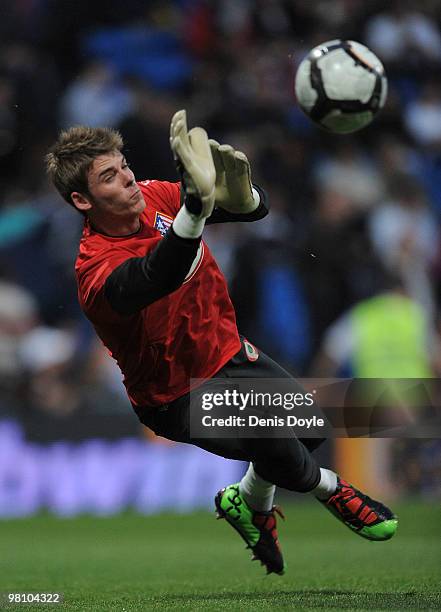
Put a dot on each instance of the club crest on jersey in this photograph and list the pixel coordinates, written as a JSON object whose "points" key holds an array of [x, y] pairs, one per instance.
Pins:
{"points": [[162, 223]]}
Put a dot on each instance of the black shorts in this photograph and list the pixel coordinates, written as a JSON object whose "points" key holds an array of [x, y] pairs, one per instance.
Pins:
{"points": [[286, 462]]}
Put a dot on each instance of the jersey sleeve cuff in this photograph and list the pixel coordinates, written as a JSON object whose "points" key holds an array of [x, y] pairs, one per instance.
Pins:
{"points": [[186, 225], [256, 198]]}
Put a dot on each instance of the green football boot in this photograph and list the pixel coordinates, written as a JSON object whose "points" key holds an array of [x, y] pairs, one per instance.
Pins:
{"points": [[368, 518], [258, 529]]}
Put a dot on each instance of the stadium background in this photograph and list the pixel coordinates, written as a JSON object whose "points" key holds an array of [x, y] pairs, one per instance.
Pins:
{"points": [[351, 251], [352, 218]]}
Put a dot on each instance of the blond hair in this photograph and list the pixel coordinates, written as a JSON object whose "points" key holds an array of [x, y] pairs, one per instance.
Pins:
{"points": [[70, 158]]}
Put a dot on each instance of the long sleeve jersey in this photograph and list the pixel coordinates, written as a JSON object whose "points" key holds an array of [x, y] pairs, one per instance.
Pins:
{"points": [[159, 302]]}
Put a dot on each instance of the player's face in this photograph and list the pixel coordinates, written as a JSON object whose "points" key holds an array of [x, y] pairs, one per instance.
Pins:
{"points": [[112, 187]]}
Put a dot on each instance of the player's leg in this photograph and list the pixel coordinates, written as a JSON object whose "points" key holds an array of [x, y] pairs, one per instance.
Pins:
{"points": [[290, 465], [286, 463], [248, 507], [250, 510]]}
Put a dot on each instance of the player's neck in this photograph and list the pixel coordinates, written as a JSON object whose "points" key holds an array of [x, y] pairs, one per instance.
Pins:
{"points": [[115, 227]]}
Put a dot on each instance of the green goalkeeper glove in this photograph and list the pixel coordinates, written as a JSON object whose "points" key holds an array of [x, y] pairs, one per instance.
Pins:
{"points": [[192, 154], [234, 191]]}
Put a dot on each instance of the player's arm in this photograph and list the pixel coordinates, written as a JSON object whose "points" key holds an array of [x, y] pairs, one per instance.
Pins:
{"points": [[140, 281]]}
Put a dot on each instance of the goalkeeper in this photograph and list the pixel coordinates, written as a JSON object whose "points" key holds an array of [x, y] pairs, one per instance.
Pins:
{"points": [[160, 304]]}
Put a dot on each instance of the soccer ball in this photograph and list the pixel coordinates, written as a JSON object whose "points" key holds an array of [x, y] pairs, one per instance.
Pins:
{"points": [[341, 85]]}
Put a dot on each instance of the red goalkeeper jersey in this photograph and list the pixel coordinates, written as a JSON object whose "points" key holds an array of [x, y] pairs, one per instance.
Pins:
{"points": [[189, 333]]}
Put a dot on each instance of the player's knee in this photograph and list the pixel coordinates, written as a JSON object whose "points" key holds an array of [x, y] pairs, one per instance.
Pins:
{"points": [[296, 472]]}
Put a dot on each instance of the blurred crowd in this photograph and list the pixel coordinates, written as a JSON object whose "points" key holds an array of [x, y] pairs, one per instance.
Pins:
{"points": [[343, 277]]}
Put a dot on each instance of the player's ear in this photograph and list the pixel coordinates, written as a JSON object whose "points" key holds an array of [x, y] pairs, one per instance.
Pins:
{"points": [[80, 201]]}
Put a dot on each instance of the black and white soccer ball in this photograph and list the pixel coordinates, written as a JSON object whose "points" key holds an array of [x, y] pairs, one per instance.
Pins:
{"points": [[341, 85]]}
